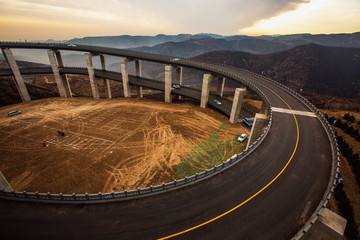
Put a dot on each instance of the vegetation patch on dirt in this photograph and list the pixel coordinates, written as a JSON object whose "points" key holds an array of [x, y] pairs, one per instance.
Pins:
{"points": [[210, 153]]}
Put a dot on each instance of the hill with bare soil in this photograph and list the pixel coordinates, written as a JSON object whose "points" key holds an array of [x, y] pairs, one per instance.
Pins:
{"points": [[313, 68]]}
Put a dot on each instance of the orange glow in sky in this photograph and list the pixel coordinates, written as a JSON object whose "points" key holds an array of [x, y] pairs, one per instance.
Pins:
{"points": [[66, 19]]}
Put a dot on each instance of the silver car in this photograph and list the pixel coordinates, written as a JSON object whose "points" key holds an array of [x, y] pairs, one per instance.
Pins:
{"points": [[217, 102], [242, 137]]}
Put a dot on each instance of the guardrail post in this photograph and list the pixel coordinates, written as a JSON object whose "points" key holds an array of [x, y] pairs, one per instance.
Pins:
{"points": [[99, 195], [19, 81]]}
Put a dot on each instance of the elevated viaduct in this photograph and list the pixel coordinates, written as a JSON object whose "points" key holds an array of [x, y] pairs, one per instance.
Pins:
{"points": [[276, 189]]}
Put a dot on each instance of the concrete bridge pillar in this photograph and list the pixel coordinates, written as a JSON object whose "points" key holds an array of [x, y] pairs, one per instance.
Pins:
{"points": [[329, 226], [139, 89], [106, 81], [264, 109], [220, 86], [4, 184], [93, 84], [236, 107], [125, 77], [64, 77], [168, 83], [178, 79], [205, 89], [61, 82], [259, 123], [19, 81]]}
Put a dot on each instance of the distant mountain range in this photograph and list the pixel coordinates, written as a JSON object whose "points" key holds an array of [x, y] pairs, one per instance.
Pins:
{"points": [[256, 45], [328, 65], [127, 41], [187, 45]]}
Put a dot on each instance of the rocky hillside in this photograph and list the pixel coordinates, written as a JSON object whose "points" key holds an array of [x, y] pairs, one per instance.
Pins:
{"points": [[315, 69]]}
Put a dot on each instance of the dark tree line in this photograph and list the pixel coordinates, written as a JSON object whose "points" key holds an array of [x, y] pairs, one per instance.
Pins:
{"points": [[347, 212], [349, 130], [344, 205]]}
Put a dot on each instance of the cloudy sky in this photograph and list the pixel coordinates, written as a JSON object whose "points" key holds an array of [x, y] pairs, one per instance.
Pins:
{"points": [[66, 19]]}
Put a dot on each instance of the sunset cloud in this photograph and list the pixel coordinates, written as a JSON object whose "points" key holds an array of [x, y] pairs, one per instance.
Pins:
{"points": [[65, 19]]}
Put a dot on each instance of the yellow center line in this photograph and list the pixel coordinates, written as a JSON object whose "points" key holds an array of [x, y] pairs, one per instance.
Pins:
{"points": [[257, 193]]}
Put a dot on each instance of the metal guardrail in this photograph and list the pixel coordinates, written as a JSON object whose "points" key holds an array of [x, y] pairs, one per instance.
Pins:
{"points": [[152, 190], [136, 193], [333, 143], [335, 156], [86, 198]]}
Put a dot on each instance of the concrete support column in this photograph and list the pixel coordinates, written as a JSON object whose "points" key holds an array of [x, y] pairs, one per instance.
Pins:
{"points": [[329, 226], [259, 123], [139, 89], [264, 109], [19, 81], [168, 83], [220, 86], [178, 79], [93, 84], [55, 68], [205, 90], [106, 81], [236, 107], [125, 77], [63, 77], [4, 184]]}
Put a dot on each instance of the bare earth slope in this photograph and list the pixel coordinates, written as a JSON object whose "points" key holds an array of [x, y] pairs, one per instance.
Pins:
{"points": [[108, 145]]}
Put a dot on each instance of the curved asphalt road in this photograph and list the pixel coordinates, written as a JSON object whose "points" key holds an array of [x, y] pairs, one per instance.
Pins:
{"points": [[274, 190]]}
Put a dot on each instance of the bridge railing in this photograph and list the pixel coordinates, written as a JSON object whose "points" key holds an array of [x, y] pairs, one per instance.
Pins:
{"points": [[333, 143], [135, 193], [148, 191], [335, 156]]}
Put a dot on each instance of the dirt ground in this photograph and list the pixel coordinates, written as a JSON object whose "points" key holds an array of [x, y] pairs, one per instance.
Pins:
{"points": [[109, 145]]}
